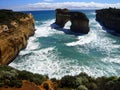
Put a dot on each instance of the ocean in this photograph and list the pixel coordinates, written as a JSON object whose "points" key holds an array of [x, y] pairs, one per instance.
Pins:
{"points": [[57, 53]]}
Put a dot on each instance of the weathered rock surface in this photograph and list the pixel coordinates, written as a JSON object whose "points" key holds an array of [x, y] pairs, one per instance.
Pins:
{"points": [[110, 18], [80, 23], [15, 29]]}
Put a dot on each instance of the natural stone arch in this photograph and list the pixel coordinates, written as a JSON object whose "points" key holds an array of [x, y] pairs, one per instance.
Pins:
{"points": [[62, 17], [79, 21]]}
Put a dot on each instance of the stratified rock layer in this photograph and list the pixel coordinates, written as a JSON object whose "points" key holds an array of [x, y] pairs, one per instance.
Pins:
{"points": [[15, 29], [110, 18], [80, 23]]}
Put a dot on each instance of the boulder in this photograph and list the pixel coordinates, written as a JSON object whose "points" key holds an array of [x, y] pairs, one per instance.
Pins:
{"points": [[80, 23]]}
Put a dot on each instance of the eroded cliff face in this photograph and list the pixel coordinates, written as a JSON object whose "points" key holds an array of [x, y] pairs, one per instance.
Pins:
{"points": [[15, 29], [80, 22], [110, 18]]}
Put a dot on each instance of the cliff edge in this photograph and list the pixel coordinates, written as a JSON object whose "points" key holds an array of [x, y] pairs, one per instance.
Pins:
{"points": [[15, 29], [110, 18]]}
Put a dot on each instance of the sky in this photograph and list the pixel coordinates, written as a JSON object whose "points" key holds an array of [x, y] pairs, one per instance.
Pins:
{"points": [[53, 4]]}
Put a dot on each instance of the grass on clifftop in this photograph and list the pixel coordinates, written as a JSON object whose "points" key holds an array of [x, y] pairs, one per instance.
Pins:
{"points": [[6, 16]]}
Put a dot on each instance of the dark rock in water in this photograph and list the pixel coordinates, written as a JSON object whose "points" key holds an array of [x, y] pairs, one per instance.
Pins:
{"points": [[110, 18], [80, 23]]}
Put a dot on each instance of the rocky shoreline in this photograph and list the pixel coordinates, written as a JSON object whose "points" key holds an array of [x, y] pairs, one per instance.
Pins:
{"points": [[15, 29]]}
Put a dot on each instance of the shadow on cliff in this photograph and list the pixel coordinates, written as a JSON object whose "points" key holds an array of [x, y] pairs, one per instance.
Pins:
{"points": [[66, 31], [110, 31]]}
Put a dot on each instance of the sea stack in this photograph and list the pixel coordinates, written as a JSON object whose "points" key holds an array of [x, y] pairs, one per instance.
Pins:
{"points": [[80, 22], [109, 18], [15, 29]]}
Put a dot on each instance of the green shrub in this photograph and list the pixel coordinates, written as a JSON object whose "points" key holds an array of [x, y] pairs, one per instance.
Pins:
{"points": [[25, 75], [91, 86], [82, 80], [36, 78], [83, 74], [69, 81], [82, 87]]}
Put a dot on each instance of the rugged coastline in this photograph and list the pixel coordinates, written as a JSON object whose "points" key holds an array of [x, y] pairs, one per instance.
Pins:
{"points": [[13, 79], [15, 29], [109, 18]]}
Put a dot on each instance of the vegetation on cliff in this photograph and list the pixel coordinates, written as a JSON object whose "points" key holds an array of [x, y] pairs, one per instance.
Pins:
{"points": [[110, 18], [85, 82], [6, 16], [10, 77]]}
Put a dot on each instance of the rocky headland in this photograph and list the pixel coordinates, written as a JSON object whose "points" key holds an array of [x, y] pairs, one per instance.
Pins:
{"points": [[79, 21], [109, 18], [15, 29]]}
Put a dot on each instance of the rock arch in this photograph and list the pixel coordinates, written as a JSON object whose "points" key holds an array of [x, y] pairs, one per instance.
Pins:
{"points": [[79, 21]]}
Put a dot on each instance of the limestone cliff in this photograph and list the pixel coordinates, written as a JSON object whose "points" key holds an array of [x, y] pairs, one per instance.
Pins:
{"points": [[15, 29], [80, 23], [110, 18]]}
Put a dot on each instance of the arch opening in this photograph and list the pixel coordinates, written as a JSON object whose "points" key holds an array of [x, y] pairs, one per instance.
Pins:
{"points": [[67, 25]]}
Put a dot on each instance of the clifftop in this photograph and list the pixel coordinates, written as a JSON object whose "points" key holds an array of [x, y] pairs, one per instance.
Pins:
{"points": [[15, 29]]}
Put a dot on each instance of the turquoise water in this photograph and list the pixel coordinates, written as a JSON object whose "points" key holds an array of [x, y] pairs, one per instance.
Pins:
{"points": [[55, 53]]}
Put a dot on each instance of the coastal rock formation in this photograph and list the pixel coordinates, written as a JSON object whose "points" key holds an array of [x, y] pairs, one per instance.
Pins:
{"points": [[80, 23], [110, 18], [15, 29]]}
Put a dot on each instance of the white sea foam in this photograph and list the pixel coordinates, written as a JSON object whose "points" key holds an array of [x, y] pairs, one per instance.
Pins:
{"points": [[93, 13], [48, 61], [112, 60], [67, 25], [83, 39]]}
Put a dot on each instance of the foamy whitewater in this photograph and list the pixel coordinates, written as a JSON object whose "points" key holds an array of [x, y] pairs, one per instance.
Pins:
{"points": [[56, 53]]}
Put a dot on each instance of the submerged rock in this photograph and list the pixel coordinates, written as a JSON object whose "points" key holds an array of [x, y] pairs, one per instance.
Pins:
{"points": [[80, 23], [15, 29], [110, 18]]}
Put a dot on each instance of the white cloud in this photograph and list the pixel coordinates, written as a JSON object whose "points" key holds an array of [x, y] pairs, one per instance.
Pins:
{"points": [[69, 5], [48, 0]]}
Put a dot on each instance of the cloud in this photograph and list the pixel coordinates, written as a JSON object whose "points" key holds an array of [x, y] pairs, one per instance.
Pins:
{"points": [[69, 5], [48, 0]]}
